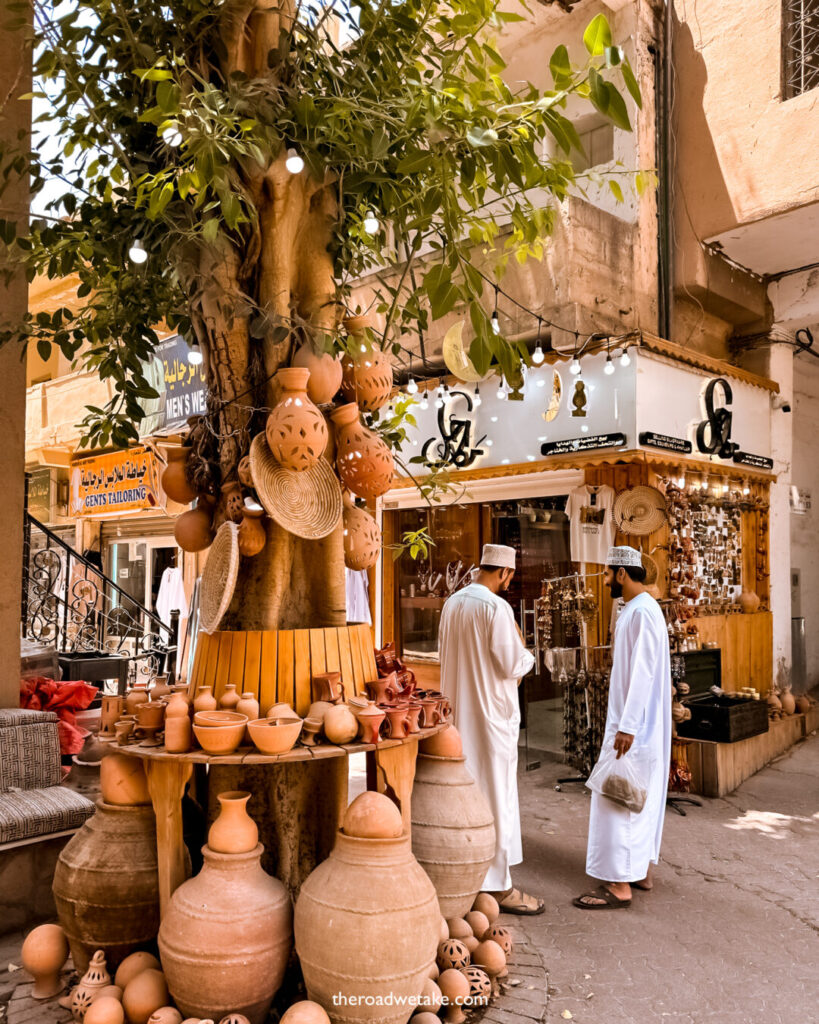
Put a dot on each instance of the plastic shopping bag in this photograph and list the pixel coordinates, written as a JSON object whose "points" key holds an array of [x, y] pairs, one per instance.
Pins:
{"points": [[622, 780]]}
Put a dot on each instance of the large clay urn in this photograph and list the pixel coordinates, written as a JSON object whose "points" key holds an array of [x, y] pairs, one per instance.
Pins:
{"points": [[453, 831], [296, 430], [173, 480], [367, 922], [367, 376], [749, 602], [325, 374], [364, 463], [105, 884], [193, 530], [225, 938], [362, 537]]}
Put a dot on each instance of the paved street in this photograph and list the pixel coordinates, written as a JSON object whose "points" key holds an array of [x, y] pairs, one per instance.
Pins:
{"points": [[731, 933]]}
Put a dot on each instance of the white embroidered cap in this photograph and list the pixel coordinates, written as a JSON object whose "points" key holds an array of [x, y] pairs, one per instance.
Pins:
{"points": [[624, 555], [498, 555]]}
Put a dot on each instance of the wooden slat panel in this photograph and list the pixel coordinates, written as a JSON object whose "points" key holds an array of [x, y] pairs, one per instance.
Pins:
{"points": [[268, 671], [331, 654], [223, 663], [345, 657], [213, 660], [236, 673], [200, 659], [253, 662], [355, 654], [285, 688], [301, 670], [365, 635], [318, 657]]}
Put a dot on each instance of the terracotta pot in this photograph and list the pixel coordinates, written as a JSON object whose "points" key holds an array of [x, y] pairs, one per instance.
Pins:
{"points": [[358, 323], [340, 724], [453, 831], [234, 831], [220, 739], [133, 698], [325, 374], [178, 735], [177, 707], [362, 537], [45, 950], [95, 978], [446, 743], [431, 715], [244, 473], [502, 936], [116, 911], [143, 995], [452, 954], [480, 985], [296, 430], [489, 956], [774, 703], [173, 480], [105, 1010], [305, 1012], [458, 928], [112, 707], [233, 502], [310, 730], [204, 699], [275, 735], [281, 710], [225, 938], [788, 702], [249, 706], [803, 704], [133, 965], [413, 717], [123, 781], [230, 698], [327, 686], [397, 722], [364, 462], [383, 689], [367, 379], [373, 816], [369, 895], [252, 533], [748, 602], [318, 709], [193, 530], [370, 721]]}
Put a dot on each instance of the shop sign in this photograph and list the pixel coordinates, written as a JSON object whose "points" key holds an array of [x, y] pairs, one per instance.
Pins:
{"points": [[116, 483], [799, 501], [181, 385], [455, 445], [583, 444], [756, 461], [665, 442], [39, 494]]}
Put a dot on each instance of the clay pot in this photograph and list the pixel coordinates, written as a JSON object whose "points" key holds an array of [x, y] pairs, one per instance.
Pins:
{"points": [[367, 378], [296, 431], [173, 480], [362, 537], [458, 928], [455, 990], [123, 781], [161, 688], [311, 728], [123, 729], [383, 689], [252, 534], [133, 965], [748, 602], [443, 930], [112, 991], [774, 703], [340, 724], [430, 715], [488, 905], [281, 710], [788, 702], [397, 722], [803, 704], [244, 473], [105, 1010], [166, 1015], [446, 743], [364, 462], [116, 911], [143, 995], [367, 914], [471, 943], [178, 735], [370, 721], [111, 709], [305, 1012], [478, 922], [178, 706], [225, 938], [453, 831], [193, 530], [248, 705], [229, 699], [204, 700], [45, 950], [373, 816], [328, 687], [133, 698], [234, 831], [480, 985], [95, 978], [233, 501], [452, 953], [275, 735], [325, 374], [413, 717], [318, 709], [220, 739]]}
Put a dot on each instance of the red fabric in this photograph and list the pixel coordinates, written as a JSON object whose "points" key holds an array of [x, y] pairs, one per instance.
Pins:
{"points": [[64, 699]]}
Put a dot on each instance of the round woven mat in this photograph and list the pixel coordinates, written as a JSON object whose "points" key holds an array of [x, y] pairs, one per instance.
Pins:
{"points": [[219, 577], [639, 510], [306, 503], [652, 572]]}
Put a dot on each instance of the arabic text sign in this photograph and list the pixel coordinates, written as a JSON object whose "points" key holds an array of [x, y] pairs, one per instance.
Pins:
{"points": [[184, 384], [114, 483]]}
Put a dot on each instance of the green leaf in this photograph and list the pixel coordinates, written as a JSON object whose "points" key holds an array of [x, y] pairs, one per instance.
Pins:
{"points": [[415, 162], [210, 229], [617, 109], [631, 84], [597, 36], [599, 93], [561, 67], [617, 192]]}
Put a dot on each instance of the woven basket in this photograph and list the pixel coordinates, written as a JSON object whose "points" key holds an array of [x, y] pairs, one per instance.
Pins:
{"points": [[219, 577], [639, 511], [652, 571]]}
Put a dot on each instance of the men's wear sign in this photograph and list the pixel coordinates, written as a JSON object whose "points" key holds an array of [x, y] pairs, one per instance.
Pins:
{"points": [[181, 385], [115, 483]]}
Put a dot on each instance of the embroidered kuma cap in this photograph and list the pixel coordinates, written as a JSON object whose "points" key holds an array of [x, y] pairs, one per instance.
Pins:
{"points": [[499, 555], [624, 555]]}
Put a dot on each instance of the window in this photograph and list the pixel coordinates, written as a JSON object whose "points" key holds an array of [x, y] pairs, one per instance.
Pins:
{"points": [[598, 142], [800, 47]]}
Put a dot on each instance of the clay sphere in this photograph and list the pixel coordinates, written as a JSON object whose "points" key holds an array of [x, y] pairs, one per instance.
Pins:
{"points": [[490, 956], [458, 928], [434, 972], [443, 932], [105, 1010], [133, 965], [373, 816], [114, 991], [455, 991], [305, 1012], [340, 724], [446, 743], [480, 985], [431, 997], [425, 1017], [235, 1018], [453, 954], [478, 922], [503, 937], [488, 905], [165, 1015], [123, 781], [471, 943], [144, 995], [44, 952]]}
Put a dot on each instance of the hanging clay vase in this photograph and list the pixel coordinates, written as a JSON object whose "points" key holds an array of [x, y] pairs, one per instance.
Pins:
{"points": [[252, 534], [296, 431], [193, 530], [225, 938], [748, 602], [204, 700], [364, 462], [44, 952], [244, 473], [325, 374], [362, 537], [234, 831], [367, 376], [233, 502], [173, 480], [229, 699]]}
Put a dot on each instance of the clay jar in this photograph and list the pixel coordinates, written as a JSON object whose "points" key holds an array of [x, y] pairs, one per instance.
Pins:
{"points": [[225, 938], [364, 462], [296, 431], [133, 965], [305, 1012], [234, 831], [229, 699], [453, 831], [133, 698], [362, 537], [397, 722], [367, 914], [252, 534], [383, 689], [105, 1010], [177, 707], [325, 374], [173, 480], [123, 781], [748, 602], [446, 743], [248, 705], [788, 702], [488, 905], [193, 530], [204, 699], [803, 704], [111, 709], [178, 734], [44, 952], [367, 376]]}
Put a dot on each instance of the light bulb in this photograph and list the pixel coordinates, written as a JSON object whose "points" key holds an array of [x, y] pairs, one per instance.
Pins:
{"points": [[489, 442], [137, 253], [495, 323], [500, 394], [746, 490], [540, 382], [425, 401], [294, 162], [195, 356], [608, 369], [476, 401], [172, 136], [574, 366], [412, 387], [625, 358], [538, 356], [371, 223], [439, 399]]}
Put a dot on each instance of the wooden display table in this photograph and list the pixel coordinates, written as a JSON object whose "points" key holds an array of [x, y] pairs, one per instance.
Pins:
{"points": [[391, 764]]}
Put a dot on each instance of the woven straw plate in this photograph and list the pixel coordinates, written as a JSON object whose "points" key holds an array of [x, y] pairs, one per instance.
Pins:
{"points": [[219, 577], [639, 511], [652, 572], [306, 503]]}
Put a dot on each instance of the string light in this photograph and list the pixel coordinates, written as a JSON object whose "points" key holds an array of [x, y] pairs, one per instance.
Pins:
{"points": [[476, 401], [495, 321], [195, 356], [172, 136], [625, 358], [500, 394], [412, 387], [574, 366], [538, 355], [489, 442], [137, 253], [425, 401], [608, 369], [439, 400], [371, 223], [294, 162]]}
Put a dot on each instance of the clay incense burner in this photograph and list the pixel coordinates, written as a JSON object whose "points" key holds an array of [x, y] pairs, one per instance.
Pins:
{"points": [[383, 689], [327, 686]]}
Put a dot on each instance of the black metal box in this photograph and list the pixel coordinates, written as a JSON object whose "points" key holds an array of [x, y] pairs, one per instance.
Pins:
{"points": [[723, 719]]}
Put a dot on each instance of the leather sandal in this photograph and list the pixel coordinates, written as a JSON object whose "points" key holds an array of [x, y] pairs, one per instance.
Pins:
{"points": [[609, 900], [513, 903]]}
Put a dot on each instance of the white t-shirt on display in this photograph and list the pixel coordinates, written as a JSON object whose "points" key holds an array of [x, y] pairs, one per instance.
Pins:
{"points": [[591, 525]]}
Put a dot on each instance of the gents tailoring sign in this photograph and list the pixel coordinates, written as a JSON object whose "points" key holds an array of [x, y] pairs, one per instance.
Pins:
{"points": [[114, 483]]}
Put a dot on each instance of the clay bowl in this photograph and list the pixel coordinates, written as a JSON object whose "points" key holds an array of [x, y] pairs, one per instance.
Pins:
{"points": [[275, 735], [220, 739], [211, 719]]}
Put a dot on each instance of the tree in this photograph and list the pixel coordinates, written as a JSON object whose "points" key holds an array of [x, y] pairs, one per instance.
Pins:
{"points": [[175, 120]]}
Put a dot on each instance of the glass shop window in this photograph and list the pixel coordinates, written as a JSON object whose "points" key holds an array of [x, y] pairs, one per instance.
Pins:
{"points": [[800, 47]]}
